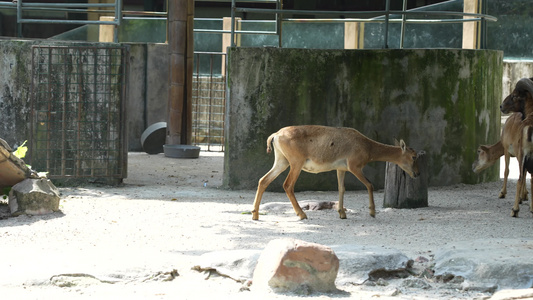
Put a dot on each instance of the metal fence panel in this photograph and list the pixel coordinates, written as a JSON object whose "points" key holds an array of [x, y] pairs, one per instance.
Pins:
{"points": [[78, 112], [209, 101]]}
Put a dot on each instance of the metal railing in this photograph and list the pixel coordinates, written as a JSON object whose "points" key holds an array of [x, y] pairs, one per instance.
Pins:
{"points": [[384, 18], [23, 8]]}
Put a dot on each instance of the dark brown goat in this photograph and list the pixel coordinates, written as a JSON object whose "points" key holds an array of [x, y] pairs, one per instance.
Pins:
{"points": [[521, 100]]}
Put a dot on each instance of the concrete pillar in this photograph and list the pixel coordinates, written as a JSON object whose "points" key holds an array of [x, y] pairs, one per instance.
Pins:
{"points": [[471, 30], [354, 35]]}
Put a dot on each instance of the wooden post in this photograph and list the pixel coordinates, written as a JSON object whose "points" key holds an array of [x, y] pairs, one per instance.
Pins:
{"points": [[471, 36], [106, 32], [354, 35], [402, 191], [226, 39], [95, 15], [181, 47]]}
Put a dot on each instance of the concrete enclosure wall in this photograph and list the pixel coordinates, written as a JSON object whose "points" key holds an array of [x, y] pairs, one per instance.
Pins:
{"points": [[443, 101]]}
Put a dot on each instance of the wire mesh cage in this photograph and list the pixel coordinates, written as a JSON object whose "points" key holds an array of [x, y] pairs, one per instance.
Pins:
{"points": [[208, 102], [78, 111]]}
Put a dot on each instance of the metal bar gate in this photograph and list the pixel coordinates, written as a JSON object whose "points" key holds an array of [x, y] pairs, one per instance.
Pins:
{"points": [[78, 112]]}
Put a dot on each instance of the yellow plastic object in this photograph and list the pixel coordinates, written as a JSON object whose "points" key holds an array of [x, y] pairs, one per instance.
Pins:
{"points": [[12, 169]]}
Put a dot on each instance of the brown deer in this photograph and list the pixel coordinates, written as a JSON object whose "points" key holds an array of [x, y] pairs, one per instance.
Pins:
{"points": [[317, 149], [487, 155], [521, 100]]}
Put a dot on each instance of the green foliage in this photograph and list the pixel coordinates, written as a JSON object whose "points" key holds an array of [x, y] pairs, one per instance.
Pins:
{"points": [[5, 192], [21, 151]]}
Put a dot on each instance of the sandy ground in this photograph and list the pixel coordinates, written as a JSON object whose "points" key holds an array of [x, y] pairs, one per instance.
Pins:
{"points": [[123, 242]]}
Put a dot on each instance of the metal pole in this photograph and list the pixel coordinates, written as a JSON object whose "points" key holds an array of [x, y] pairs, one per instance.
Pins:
{"points": [[387, 11], [232, 43], [279, 18], [483, 29], [402, 33], [118, 19], [19, 17], [118, 11]]}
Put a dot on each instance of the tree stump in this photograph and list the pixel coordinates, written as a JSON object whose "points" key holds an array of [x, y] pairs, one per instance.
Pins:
{"points": [[402, 191]]}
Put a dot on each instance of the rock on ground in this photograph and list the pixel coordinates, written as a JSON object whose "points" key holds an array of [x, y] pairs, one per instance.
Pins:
{"points": [[34, 197], [290, 265]]}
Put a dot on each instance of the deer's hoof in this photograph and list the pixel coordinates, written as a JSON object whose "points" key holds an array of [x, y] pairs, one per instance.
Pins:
{"points": [[255, 215], [342, 214], [514, 213], [373, 214], [502, 195], [302, 216]]}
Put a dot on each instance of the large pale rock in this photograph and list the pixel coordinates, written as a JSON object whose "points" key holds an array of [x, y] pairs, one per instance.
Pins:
{"points": [[289, 265], [33, 197]]}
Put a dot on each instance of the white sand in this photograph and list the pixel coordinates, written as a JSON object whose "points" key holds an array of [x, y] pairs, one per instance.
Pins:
{"points": [[163, 218]]}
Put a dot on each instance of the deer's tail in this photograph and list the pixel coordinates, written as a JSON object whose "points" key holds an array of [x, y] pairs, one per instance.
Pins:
{"points": [[269, 143]]}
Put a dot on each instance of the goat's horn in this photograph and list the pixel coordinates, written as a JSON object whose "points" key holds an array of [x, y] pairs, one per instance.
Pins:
{"points": [[525, 84]]}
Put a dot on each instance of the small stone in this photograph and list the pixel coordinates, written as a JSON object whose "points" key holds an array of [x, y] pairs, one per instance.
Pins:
{"points": [[421, 259], [416, 283], [395, 292], [382, 282]]}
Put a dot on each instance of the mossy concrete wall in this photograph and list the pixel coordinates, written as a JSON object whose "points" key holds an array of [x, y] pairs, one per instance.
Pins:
{"points": [[443, 101], [15, 87], [147, 88]]}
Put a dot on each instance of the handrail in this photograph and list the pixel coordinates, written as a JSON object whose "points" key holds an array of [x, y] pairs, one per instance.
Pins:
{"points": [[115, 9], [349, 13], [383, 18], [108, 8]]}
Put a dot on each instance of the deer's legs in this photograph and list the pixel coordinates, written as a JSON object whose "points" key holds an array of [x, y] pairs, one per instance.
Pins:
{"points": [[358, 172], [503, 192], [280, 164], [342, 189], [288, 186]]}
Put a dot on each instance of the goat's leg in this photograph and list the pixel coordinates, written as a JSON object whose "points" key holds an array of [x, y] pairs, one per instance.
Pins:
{"points": [[516, 206], [358, 172], [519, 185], [288, 186], [503, 192], [280, 165], [526, 192], [342, 189], [523, 193], [531, 184]]}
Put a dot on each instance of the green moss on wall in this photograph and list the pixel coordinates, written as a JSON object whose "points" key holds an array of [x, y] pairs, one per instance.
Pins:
{"points": [[431, 98]]}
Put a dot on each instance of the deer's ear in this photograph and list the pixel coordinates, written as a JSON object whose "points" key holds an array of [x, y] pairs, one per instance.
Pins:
{"points": [[403, 146]]}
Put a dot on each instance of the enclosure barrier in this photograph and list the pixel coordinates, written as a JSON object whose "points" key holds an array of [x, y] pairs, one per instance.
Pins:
{"points": [[278, 12], [78, 111]]}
